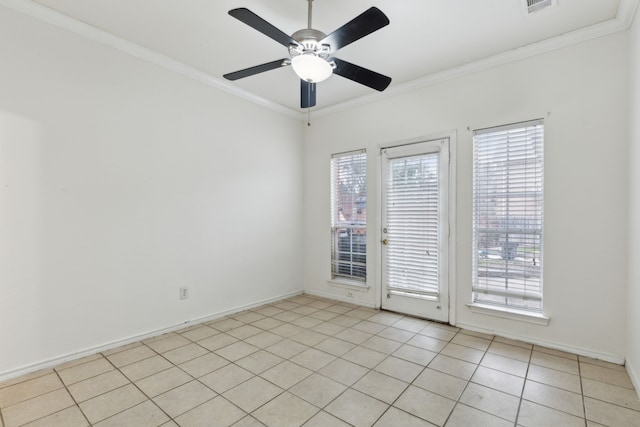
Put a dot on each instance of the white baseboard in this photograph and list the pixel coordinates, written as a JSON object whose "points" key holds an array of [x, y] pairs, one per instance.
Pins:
{"points": [[619, 360], [49, 363], [340, 298], [633, 374]]}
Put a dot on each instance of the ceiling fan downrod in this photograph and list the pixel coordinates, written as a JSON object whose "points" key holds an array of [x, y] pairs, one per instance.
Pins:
{"points": [[307, 39]]}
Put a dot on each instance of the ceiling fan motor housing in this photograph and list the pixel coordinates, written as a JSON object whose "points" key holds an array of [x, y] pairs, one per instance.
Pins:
{"points": [[308, 43]]}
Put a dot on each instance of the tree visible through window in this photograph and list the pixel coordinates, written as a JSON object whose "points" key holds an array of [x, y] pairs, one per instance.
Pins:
{"points": [[349, 216], [507, 216]]}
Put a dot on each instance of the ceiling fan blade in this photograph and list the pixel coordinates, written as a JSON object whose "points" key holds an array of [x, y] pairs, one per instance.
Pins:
{"points": [[256, 70], [366, 23], [361, 75], [307, 94], [251, 19]]}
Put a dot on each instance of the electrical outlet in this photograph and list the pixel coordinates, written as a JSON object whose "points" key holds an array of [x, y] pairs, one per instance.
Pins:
{"points": [[184, 293]]}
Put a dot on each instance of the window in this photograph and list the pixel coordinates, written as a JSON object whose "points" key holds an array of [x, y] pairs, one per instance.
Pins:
{"points": [[507, 216], [349, 216]]}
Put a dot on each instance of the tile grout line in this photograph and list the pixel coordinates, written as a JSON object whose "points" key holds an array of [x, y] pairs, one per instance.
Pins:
{"points": [[388, 355], [350, 387], [292, 362], [457, 401], [427, 366], [469, 382], [72, 397], [298, 382], [389, 405], [259, 374], [584, 404], [136, 386], [313, 346], [191, 376], [580, 377], [64, 386], [568, 391], [423, 369], [174, 365], [411, 383], [194, 378], [321, 409], [524, 384], [520, 397], [134, 383], [550, 386]]}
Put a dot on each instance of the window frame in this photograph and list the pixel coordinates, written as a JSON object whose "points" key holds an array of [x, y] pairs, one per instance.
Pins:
{"points": [[354, 224], [518, 308]]}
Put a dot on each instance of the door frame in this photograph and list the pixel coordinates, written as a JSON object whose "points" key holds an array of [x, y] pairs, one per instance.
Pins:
{"points": [[451, 135]]}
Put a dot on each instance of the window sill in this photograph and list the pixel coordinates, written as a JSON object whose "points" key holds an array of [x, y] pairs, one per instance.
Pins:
{"points": [[348, 284], [505, 313]]}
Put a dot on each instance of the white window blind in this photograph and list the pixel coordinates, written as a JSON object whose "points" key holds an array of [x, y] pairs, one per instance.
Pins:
{"points": [[349, 216], [508, 216], [413, 224]]}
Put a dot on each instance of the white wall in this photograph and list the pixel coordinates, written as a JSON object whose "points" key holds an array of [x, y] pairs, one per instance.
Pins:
{"points": [[119, 183], [584, 90], [633, 322]]}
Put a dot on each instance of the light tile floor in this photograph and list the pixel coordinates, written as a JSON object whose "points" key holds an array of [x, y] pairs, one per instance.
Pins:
{"points": [[317, 362]]}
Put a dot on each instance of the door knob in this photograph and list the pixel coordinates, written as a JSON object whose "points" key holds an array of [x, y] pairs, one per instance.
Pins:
{"points": [[384, 241]]}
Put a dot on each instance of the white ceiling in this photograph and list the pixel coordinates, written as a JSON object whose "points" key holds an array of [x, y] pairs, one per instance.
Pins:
{"points": [[424, 38]]}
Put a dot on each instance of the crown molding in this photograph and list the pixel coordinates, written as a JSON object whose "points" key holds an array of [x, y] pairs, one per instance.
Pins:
{"points": [[622, 22], [50, 16], [627, 12]]}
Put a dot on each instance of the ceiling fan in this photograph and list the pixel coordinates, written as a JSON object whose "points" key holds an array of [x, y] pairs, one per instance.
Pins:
{"points": [[311, 51]]}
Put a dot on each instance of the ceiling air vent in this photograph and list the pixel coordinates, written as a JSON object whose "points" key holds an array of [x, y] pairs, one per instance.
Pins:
{"points": [[532, 6]]}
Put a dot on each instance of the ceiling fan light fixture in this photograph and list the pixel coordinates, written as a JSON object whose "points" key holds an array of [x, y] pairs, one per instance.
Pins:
{"points": [[311, 68]]}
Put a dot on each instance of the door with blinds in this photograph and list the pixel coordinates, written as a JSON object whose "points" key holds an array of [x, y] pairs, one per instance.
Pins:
{"points": [[415, 229]]}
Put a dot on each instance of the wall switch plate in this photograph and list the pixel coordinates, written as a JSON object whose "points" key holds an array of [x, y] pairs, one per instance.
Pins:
{"points": [[184, 293]]}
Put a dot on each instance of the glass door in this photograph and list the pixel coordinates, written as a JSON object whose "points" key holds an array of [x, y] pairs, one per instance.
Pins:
{"points": [[415, 229]]}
